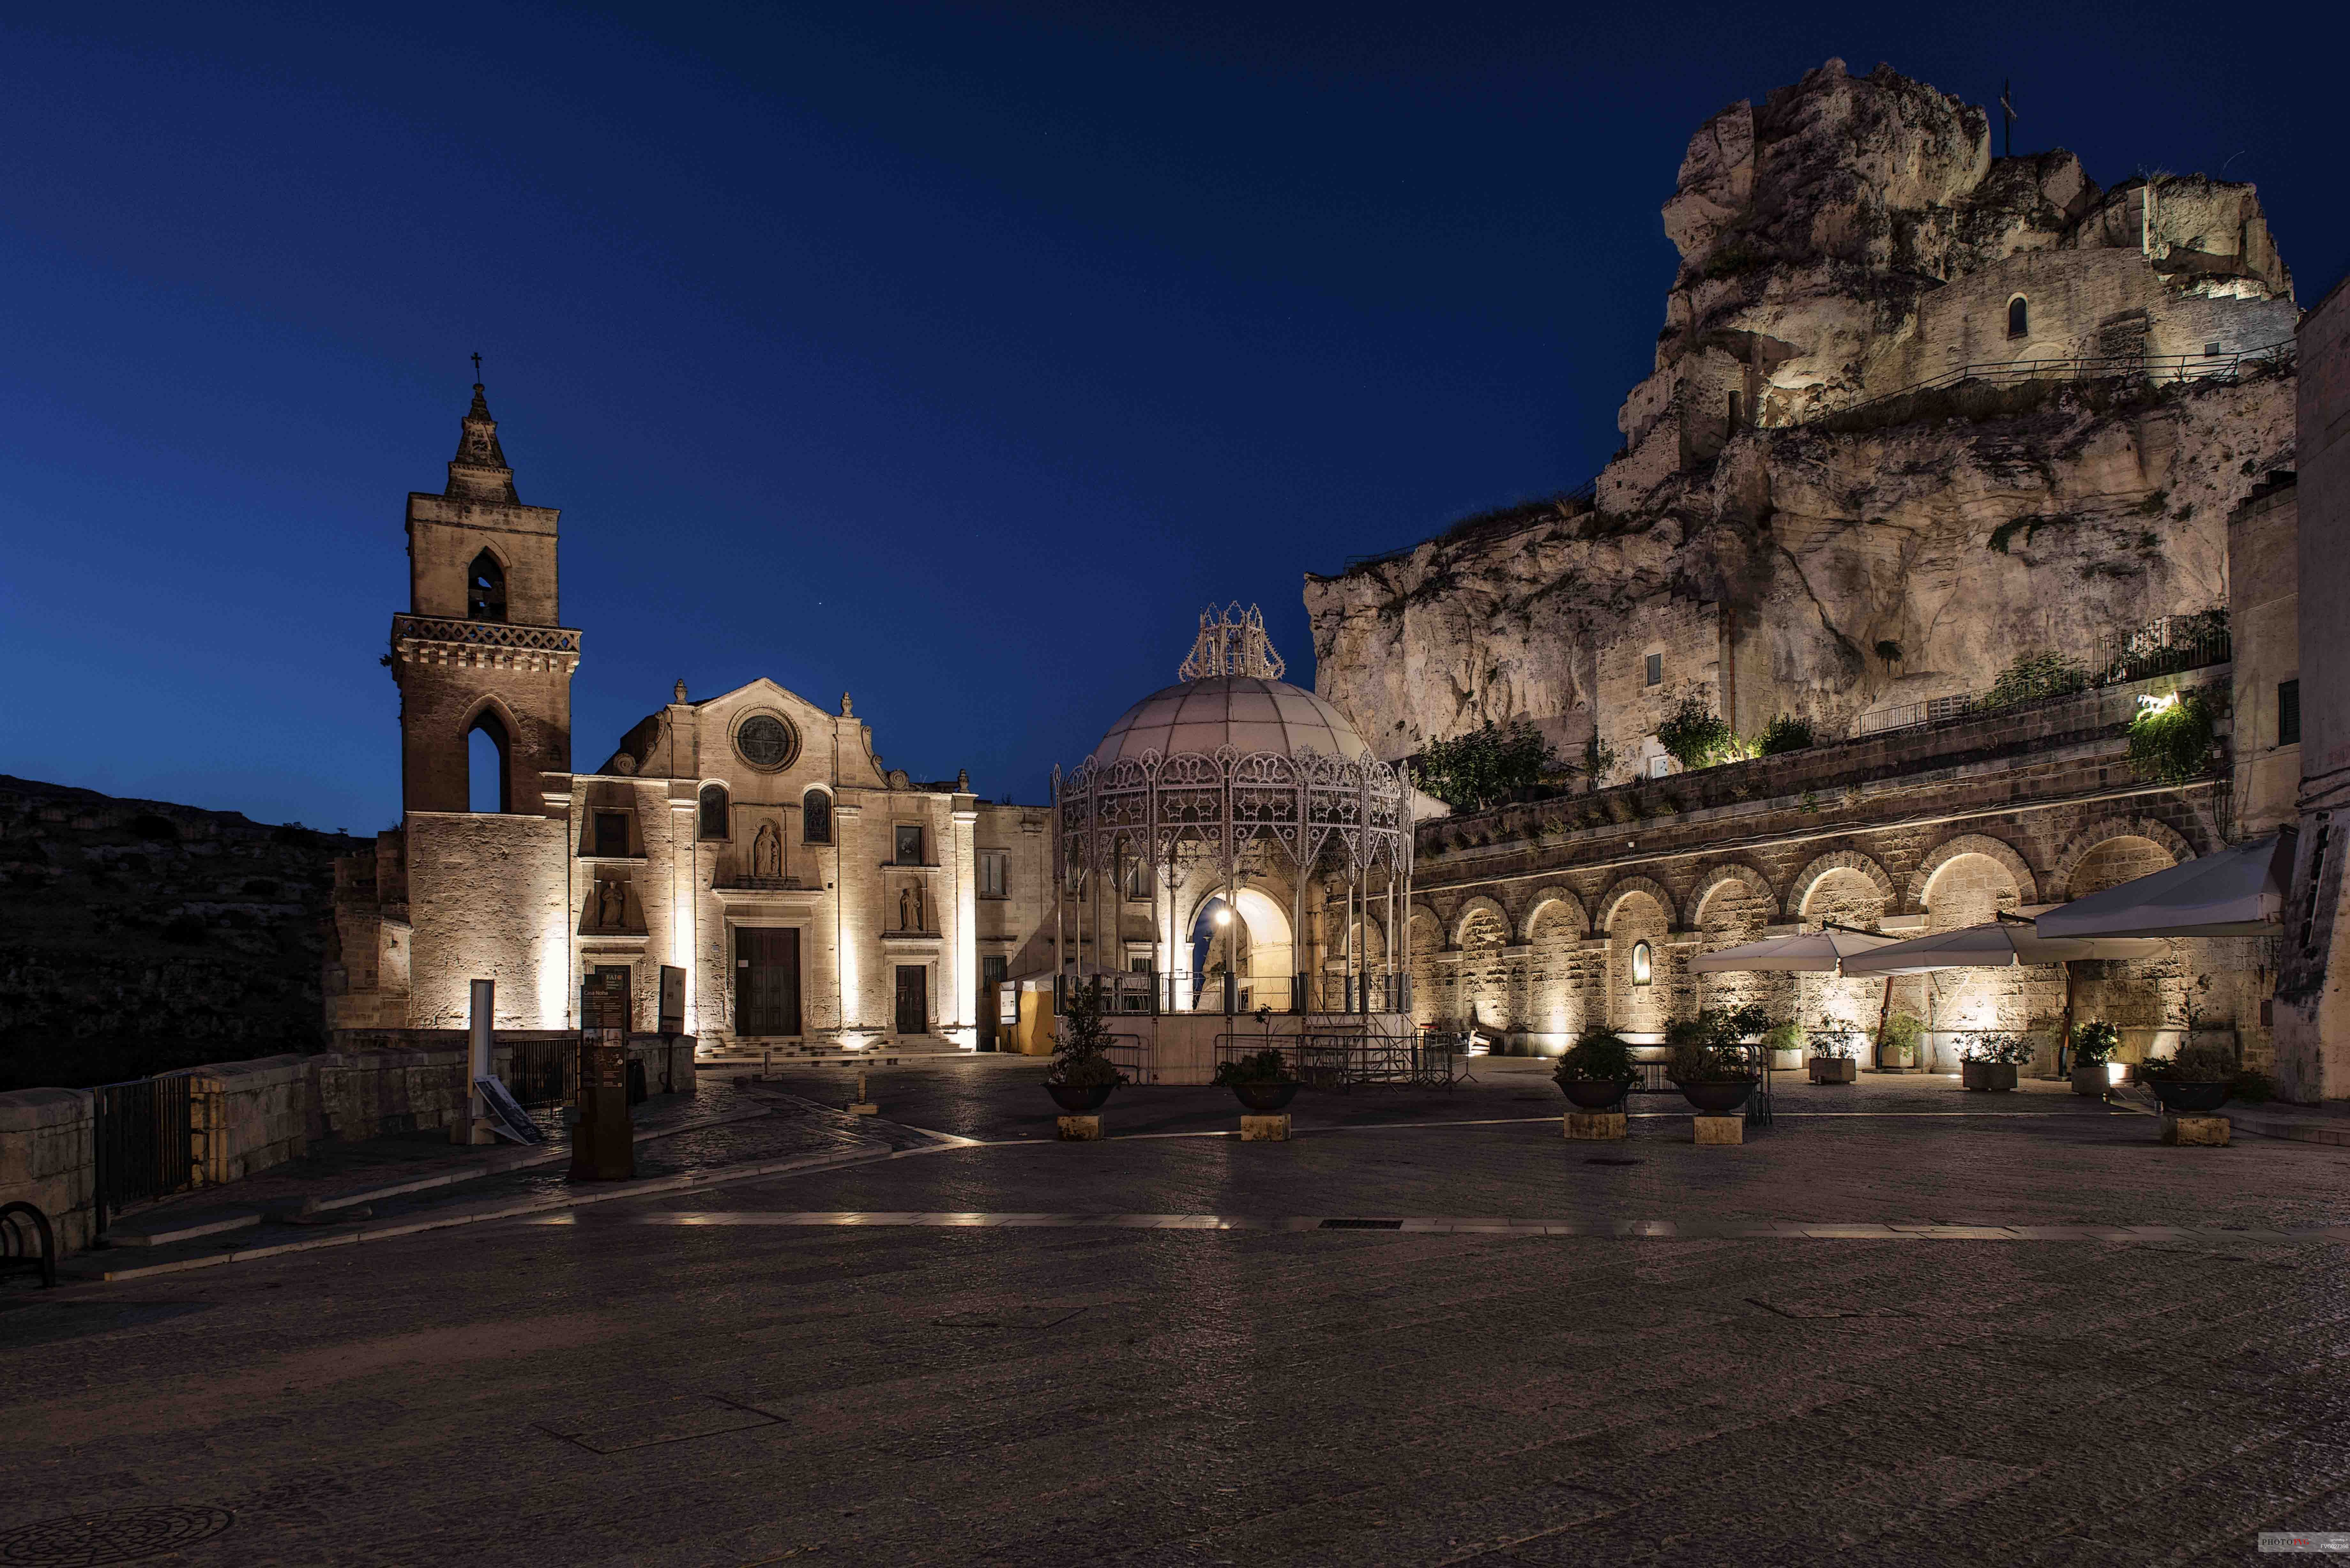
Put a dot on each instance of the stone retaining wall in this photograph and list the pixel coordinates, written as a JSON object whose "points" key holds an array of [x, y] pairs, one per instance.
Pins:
{"points": [[246, 1116], [46, 1158]]}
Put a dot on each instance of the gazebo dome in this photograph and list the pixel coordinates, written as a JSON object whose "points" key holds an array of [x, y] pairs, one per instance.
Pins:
{"points": [[1248, 713]]}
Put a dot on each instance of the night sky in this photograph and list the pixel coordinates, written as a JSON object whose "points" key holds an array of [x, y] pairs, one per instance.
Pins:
{"points": [[951, 357]]}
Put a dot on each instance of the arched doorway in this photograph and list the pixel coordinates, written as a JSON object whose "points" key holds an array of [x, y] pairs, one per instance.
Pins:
{"points": [[1248, 938]]}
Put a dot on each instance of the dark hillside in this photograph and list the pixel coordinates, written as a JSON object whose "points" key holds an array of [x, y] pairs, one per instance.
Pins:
{"points": [[136, 936]]}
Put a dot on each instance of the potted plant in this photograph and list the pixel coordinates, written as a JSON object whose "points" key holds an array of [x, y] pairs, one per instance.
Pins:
{"points": [[1262, 1081], [1786, 1044], [1988, 1061], [1897, 1043], [1596, 1070], [2093, 1046], [2196, 1082], [1834, 1058], [1714, 1072], [1081, 1076]]}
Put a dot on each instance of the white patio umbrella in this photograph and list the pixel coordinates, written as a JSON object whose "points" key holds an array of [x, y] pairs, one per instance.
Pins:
{"points": [[1811, 952], [2235, 892], [2000, 944]]}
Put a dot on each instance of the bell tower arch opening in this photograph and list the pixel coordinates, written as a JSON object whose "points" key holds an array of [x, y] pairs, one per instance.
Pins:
{"points": [[489, 765], [485, 588]]}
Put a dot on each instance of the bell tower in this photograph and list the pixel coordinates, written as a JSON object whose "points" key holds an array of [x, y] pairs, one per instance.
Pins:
{"points": [[479, 647]]}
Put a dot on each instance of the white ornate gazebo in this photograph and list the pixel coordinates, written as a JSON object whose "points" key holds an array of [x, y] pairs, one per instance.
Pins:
{"points": [[1221, 785]]}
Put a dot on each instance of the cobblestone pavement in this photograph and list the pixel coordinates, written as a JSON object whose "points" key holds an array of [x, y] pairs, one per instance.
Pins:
{"points": [[695, 1378]]}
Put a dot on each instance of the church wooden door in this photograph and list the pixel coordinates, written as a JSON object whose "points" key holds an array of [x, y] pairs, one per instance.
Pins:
{"points": [[766, 981], [913, 999]]}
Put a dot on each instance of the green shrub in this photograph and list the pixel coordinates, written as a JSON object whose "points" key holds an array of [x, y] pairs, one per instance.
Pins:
{"points": [[2029, 676], [1696, 736], [1902, 1032], [1707, 1049], [2094, 1044], [1077, 1059], [1264, 1067], [1787, 1036], [1486, 765], [2253, 1088], [2172, 744], [1784, 733], [1890, 651], [2196, 1062], [2006, 1050], [1598, 1055]]}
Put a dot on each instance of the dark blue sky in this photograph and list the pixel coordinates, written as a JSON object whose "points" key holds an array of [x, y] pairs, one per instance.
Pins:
{"points": [[951, 357]]}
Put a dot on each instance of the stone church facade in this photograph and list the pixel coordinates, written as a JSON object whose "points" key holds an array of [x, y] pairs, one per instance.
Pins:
{"points": [[753, 840]]}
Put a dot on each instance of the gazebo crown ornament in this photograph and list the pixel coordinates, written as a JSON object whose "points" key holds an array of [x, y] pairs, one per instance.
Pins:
{"points": [[1232, 642]]}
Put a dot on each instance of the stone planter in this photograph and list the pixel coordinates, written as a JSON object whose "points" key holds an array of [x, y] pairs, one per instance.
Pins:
{"points": [[2182, 1097], [1787, 1061], [1834, 1070], [1719, 1097], [1266, 1098], [1996, 1077], [2091, 1081], [1899, 1059], [1595, 1094], [1078, 1098]]}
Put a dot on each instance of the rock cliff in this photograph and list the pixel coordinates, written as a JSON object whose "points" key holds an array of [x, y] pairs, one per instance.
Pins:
{"points": [[1914, 410]]}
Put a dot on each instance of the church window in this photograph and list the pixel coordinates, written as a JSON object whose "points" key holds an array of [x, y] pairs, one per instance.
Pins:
{"points": [[2019, 317], [1643, 964], [714, 813], [816, 817], [487, 773], [909, 844], [994, 872], [765, 741], [611, 833], [1655, 673], [1137, 877], [486, 589]]}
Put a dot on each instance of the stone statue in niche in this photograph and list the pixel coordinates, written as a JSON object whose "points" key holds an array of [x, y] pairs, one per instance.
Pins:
{"points": [[767, 852], [909, 908], [611, 904]]}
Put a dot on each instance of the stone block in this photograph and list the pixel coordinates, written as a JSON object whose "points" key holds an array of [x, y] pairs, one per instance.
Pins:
{"points": [[1720, 1129], [1266, 1129], [1595, 1126], [2203, 1132], [863, 1108], [1080, 1130]]}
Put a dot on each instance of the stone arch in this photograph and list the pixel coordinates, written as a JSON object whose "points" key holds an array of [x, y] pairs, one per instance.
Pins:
{"points": [[1625, 888], [2104, 831], [1550, 897], [2027, 887], [486, 586], [1725, 874], [491, 720], [1808, 880], [1470, 909]]}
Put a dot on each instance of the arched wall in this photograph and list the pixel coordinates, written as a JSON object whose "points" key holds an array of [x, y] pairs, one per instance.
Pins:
{"points": [[2064, 879]]}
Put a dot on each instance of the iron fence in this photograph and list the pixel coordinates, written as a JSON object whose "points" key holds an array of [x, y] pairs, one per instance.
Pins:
{"points": [[543, 1072], [141, 1138], [2159, 369], [2170, 646]]}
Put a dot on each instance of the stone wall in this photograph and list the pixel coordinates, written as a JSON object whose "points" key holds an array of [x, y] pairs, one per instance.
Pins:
{"points": [[246, 1117], [46, 1158], [1537, 910]]}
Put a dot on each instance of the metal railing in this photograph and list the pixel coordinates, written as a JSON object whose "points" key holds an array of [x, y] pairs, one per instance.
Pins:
{"points": [[2159, 369], [141, 1134], [543, 1072], [1155, 992], [1652, 1080], [2167, 647], [1341, 1059]]}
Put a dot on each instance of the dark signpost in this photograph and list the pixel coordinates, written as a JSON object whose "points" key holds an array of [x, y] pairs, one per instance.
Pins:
{"points": [[603, 1145]]}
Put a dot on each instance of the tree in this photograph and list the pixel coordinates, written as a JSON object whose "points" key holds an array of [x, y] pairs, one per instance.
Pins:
{"points": [[1697, 736], [1486, 765]]}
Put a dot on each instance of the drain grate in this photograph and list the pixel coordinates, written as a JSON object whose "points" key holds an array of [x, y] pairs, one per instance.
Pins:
{"points": [[1610, 1160], [1362, 1224], [127, 1535]]}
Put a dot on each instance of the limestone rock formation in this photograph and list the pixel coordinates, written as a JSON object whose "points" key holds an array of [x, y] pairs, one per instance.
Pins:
{"points": [[1908, 397]]}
